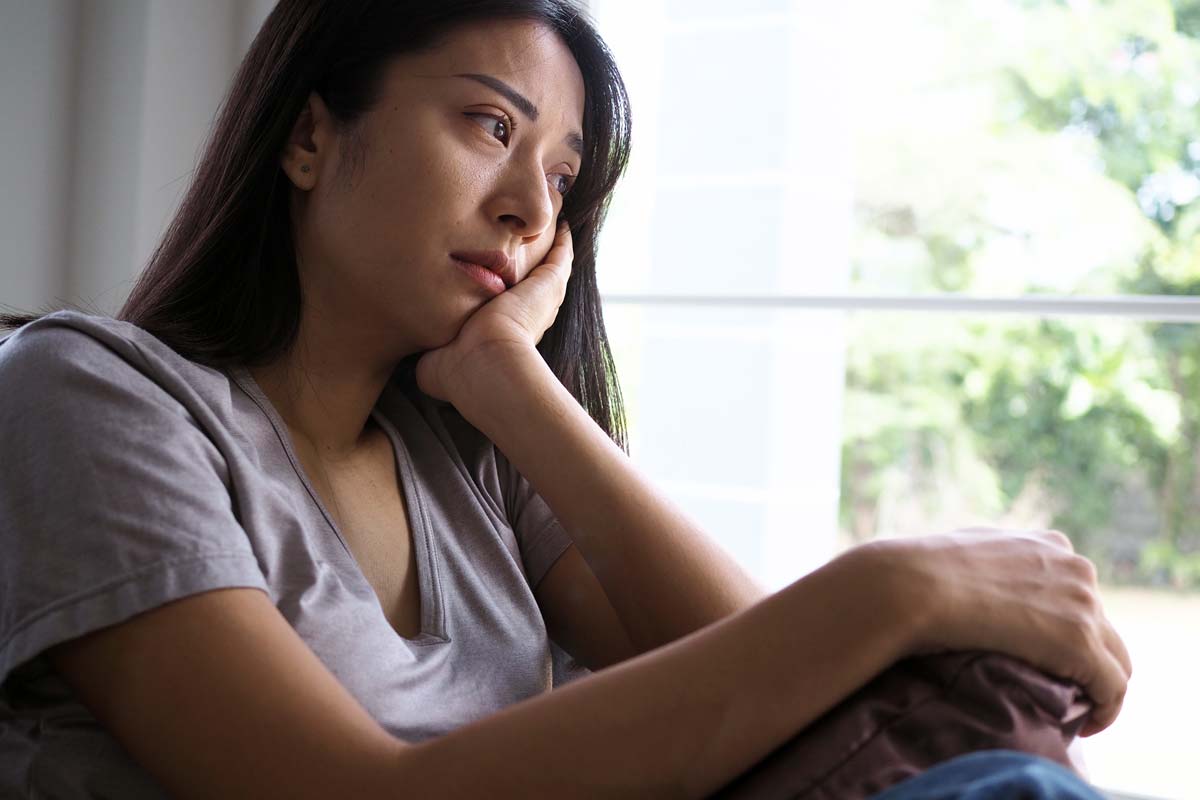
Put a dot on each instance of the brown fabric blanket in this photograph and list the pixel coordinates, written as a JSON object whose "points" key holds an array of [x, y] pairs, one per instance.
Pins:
{"points": [[918, 713]]}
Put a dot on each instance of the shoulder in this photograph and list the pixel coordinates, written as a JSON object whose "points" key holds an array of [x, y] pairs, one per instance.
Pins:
{"points": [[93, 408], [58, 362], [67, 342], [107, 391], [62, 336], [68, 354], [67, 338]]}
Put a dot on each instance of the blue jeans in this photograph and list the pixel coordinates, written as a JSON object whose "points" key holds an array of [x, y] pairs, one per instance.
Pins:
{"points": [[993, 775]]}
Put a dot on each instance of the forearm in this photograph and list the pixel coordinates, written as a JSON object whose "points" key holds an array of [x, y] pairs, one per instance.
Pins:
{"points": [[664, 577], [683, 720]]}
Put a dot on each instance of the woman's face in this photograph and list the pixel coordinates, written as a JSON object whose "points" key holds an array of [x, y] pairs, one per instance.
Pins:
{"points": [[469, 149]]}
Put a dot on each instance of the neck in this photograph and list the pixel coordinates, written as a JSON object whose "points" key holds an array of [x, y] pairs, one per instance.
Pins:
{"points": [[326, 386]]}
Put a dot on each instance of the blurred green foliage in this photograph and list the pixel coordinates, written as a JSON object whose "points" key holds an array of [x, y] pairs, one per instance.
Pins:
{"points": [[1031, 146]]}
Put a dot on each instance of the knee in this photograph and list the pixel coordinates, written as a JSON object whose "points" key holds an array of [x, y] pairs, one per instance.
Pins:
{"points": [[994, 775]]}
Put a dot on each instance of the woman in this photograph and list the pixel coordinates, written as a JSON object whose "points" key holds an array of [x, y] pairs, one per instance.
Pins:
{"points": [[275, 533]]}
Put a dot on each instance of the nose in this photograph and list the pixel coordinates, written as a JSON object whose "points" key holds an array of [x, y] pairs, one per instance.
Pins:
{"points": [[522, 201]]}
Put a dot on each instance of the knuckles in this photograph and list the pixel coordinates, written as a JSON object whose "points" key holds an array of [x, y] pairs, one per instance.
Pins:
{"points": [[1085, 569], [1059, 538]]}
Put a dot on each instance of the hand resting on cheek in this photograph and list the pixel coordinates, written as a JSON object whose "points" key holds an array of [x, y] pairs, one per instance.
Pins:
{"points": [[511, 324]]}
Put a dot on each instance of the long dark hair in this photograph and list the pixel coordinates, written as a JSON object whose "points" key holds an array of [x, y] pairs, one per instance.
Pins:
{"points": [[222, 287]]}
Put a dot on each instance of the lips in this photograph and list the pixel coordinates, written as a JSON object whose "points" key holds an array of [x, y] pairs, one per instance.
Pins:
{"points": [[495, 260]]}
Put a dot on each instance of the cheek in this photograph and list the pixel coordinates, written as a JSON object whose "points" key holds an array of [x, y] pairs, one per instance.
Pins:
{"points": [[358, 227], [403, 202], [420, 172]]}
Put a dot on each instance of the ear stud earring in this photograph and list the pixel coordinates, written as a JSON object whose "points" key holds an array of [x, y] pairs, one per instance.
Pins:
{"points": [[305, 168]]}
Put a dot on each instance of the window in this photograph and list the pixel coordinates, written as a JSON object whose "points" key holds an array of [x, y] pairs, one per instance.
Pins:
{"points": [[880, 269]]}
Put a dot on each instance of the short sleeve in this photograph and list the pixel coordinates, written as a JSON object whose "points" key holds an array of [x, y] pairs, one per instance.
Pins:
{"points": [[113, 501], [540, 536]]}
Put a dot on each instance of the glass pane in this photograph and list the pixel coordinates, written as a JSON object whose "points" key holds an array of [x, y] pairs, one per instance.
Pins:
{"points": [[985, 147], [1027, 146], [762, 423], [1089, 426], [740, 179], [720, 9], [724, 423]]}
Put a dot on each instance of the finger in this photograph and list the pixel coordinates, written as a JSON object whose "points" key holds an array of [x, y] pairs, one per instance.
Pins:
{"points": [[558, 258], [1058, 539], [544, 289], [1107, 690], [556, 266], [562, 252], [1116, 646]]}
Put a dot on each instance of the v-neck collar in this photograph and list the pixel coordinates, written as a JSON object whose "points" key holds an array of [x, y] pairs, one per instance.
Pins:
{"points": [[433, 620]]}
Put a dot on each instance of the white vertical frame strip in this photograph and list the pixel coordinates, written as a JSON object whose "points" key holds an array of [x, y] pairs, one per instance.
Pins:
{"points": [[807, 373]]}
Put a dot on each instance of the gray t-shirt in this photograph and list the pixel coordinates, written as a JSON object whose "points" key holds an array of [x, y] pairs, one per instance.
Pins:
{"points": [[130, 477]]}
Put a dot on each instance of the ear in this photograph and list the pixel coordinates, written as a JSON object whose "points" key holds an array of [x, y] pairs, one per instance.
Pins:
{"points": [[310, 145]]}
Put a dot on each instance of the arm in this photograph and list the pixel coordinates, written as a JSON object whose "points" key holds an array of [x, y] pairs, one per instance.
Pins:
{"points": [[663, 576], [657, 573], [1022, 593], [579, 616], [218, 697]]}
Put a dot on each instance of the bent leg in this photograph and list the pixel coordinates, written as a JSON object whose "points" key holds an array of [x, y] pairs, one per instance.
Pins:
{"points": [[993, 775]]}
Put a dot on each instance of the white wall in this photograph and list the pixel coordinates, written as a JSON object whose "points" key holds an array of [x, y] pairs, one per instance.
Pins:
{"points": [[37, 80], [103, 109]]}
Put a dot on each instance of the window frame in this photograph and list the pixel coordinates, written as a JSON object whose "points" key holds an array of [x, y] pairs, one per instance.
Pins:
{"points": [[1146, 308]]}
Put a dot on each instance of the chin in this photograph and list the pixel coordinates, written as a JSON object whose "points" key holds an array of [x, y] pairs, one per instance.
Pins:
{"points": [[444, 331]]}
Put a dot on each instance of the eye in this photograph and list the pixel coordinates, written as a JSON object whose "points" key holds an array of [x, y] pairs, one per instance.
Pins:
{"points": [[498, 126], [561, 182]]}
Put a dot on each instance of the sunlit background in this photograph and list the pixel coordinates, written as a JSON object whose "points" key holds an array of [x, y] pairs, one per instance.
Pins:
{"points": [[890, 268], [877, 269]]}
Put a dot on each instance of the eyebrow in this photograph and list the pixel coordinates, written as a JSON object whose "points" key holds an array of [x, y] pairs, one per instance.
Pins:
{"points": [[523, 104]]}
